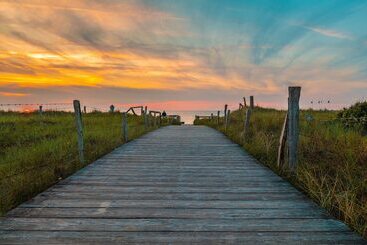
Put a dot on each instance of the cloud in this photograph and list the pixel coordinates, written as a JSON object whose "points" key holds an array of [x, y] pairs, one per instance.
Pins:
{"points": [[329, 33], [10, 94], [274, 25], [144, 51]]}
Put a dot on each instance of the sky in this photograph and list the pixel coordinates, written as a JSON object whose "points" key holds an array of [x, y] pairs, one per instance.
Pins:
{"points": [[183, 54]]}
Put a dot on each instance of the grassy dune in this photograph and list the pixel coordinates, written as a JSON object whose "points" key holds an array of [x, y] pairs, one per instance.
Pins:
{"points": [[332, 160], [37, 151]]}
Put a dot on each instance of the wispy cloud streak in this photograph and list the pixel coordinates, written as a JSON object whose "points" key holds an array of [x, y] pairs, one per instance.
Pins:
{"points": [[329, 33]]}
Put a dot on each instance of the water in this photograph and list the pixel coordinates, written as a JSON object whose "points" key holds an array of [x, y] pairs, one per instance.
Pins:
{"points": [[189, 116]]}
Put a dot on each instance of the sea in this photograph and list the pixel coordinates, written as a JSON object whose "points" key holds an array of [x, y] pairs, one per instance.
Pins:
{"points": [[189, 116]]}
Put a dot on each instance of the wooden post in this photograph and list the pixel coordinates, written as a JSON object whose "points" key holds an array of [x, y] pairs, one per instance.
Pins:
{"points": [[211, 117], [227, 120], [293, 125], [151, 119], [125, 127], [145, 118], [252, 102], [40, 110], [85, 109], [244, 102], [218, 117], [282, 142], [246, 124], [79, 129], [225, 111], [147, 115]]}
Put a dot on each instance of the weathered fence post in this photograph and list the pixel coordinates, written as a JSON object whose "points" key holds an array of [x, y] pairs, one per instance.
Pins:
{"points": [[244, 102], [218, 117], [151, 119], [225, 111], [155, 120], [211, 117], [246, 124], [227, 120], [79, 129], [40, 110], [282, 142], [293, 125], [145, 118], [252, 105], [125, 127], [85, 109]]}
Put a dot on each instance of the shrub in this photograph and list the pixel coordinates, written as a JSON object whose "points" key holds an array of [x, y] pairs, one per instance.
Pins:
{"points": [[355, 116]]}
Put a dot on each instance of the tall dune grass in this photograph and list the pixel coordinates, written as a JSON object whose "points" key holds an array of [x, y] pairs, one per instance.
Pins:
{"points": [[38, 150], [332, 167]]}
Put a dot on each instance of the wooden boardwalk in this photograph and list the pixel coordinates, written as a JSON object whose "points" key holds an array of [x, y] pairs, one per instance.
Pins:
{"points": [[178, 184]]}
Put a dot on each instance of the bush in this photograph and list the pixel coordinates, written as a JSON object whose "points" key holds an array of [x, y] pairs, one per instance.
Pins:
{"points": [[355, 116]]}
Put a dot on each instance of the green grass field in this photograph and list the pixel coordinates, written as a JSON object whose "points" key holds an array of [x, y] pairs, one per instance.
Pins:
{"points": [[332, 166], [36, 151]]}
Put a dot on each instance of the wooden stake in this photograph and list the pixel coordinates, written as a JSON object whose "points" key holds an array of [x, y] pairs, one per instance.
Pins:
{"points": [[252, 105], [227, 120], [225, 111], [293, 125], [246, 124], [79, 129], [40, 110], [145, 118], [244, 102], [218, 117], [125, 127]]}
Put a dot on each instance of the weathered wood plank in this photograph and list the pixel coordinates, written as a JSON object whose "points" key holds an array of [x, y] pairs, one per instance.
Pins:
{"points": [[85, 237], [96, 203], [273, 189], [164, 213], [247, 225], [172, 196]]}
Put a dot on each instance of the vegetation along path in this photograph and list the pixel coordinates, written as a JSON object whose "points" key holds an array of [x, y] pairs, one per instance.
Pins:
{"points": [[176, 184]]}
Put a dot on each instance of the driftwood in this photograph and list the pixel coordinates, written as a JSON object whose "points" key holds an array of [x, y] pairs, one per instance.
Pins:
{"points": [[282, 142]]}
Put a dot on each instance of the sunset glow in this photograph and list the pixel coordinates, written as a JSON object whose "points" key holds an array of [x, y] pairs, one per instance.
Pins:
{"points": [[181, 54]]}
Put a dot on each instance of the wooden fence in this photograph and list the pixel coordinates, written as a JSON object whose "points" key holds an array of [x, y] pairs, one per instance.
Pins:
{"points": [[151, 119], [288, 142]]}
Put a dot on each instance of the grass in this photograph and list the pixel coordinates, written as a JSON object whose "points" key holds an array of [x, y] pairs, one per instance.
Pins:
{"points": [[37, 151], [332, 167]]}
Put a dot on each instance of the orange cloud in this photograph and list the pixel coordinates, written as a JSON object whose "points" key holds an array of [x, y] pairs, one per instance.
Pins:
{"points": [[10, 94]]}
